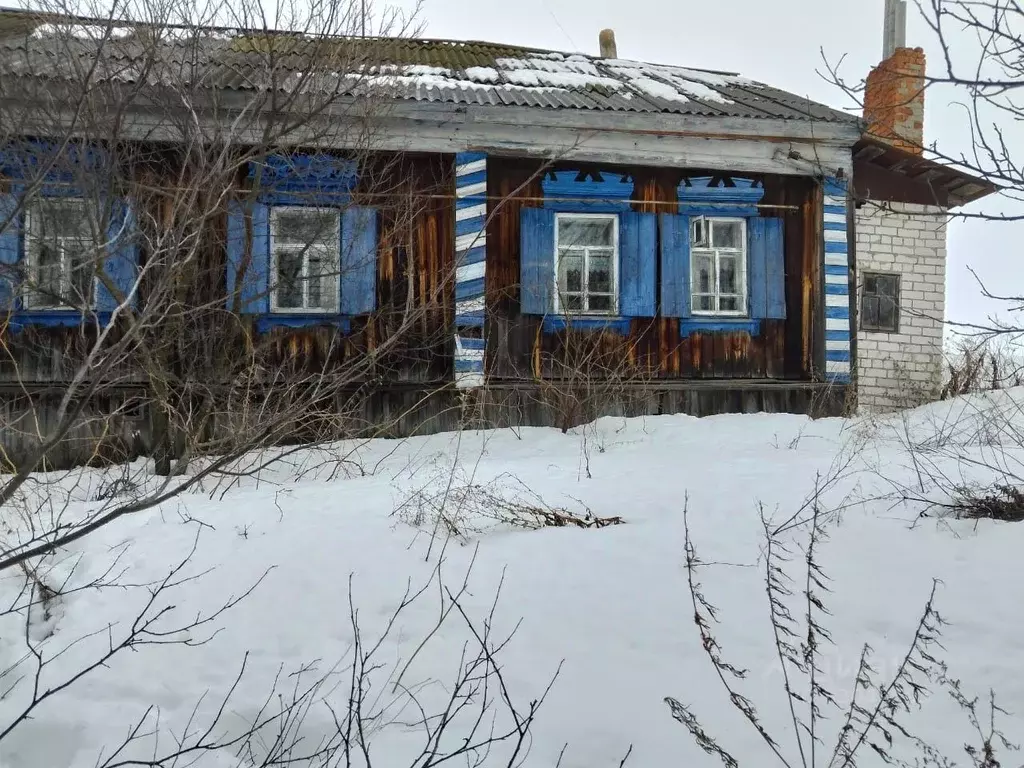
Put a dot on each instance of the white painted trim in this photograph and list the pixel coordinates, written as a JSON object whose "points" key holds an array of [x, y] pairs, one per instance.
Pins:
{"points": [[837, 259], [471, 240], [472, 212], [471, 189], [837, 280], [469, 306], [833, 200], [744, 265], [837, 366], [31, 256], [832, 300], [472, 167], [615, 262], [275, 210], [835, 218], [835, 236], [469, 354], [837, 324], [470, 272], [469, 379], [837, 346]]}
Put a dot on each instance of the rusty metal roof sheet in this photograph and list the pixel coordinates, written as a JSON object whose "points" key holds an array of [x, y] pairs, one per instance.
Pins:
{"points": [[436, 71]]}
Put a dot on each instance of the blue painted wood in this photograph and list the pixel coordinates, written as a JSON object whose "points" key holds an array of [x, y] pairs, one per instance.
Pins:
{"points": [[248, 268], [120, 263], [638, 255], [831, 247], [834, 289], [464, 158], [267, 323], [838, 355], [536, 260], [469, 226], [610, 186], [472, 256], [464, 365], [471, 343], [318, 172], [10, 251], [56, 318], [837, 313], [675, 265], [358, 260], [469, 289], [839, 209], [470, 320], [52, 161], [835, 187], [560, 323], [695, 325], [697, 197], [767, 269], [837, 336], [837, 269], [468, 179]]}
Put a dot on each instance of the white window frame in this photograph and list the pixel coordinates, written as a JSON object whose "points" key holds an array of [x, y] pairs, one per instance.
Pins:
{"points": [[614, 218], [34, 299], [742, 255], [275, 212]]}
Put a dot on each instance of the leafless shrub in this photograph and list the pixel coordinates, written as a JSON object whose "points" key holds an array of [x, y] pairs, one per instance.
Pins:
{"points": [[465, 509], [872, 720], [980, 366], [998, 502]]}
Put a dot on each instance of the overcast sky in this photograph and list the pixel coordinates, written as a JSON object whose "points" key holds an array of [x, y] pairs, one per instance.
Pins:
{"points": [[780, 43]]}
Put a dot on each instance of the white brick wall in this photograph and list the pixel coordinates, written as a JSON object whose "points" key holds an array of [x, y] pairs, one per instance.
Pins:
{"points": [[895, 370]]}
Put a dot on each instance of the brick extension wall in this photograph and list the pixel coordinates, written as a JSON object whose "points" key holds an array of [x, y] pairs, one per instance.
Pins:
{"points": [[896, 370], [894, 100]]}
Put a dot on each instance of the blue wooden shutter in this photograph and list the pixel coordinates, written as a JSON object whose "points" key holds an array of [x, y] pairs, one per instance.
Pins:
{"points": [[358, 260], [675, 265], [120, 263], [254, 268], [638, 238], [536, 260], [767, 273], [10, 251]]}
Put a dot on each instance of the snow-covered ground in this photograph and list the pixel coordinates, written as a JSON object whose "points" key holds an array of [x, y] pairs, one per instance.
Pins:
{"points": [[608, 609]]}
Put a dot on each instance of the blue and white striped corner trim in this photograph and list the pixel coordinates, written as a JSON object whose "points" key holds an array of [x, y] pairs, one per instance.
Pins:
{"points": [[838, 364], [470, 265]]}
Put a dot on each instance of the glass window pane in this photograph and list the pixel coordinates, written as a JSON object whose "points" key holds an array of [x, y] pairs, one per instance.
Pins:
{"points": [[47, 277], [886, 285], [572, 302], [82, 278], [703, 278], [289, 277], [600, 274], [570, 272], [728, 278], [306, 226], [729, 304], [704, 303], [55, 217], [869, 312], [600, 303], [886, 313], [583, 231], [870, 285], [322, 291], [726, 234]]}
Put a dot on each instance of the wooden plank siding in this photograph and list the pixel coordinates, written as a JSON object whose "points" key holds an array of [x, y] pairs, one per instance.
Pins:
{"points": [[520, 349]]}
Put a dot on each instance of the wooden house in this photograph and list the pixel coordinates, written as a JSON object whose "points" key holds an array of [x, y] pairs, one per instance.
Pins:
{"points": [[577, 234]]}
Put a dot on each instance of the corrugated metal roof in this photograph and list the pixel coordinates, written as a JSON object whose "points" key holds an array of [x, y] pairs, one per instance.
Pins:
{"points": [[445, 71]]}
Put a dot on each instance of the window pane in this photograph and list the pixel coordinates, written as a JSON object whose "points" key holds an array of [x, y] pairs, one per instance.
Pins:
{"points": [[570, 272], [82, 274], [47, 277], [55, 217], [869, 312], [703, 279], [870, 283], [600, 274], [322, 291], [289, 276], [729, 304], [704, 303], [585, 231], [886, 313], [728, 278], [726, 234], [886, 285], [572, 302], [306, 226]]}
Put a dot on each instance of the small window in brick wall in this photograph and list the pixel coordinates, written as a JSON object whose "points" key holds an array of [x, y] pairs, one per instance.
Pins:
{"points": [[880, 302]]}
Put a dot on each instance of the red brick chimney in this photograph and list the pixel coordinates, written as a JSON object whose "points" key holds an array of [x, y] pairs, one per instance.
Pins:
{"points": [[894, 100]]}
